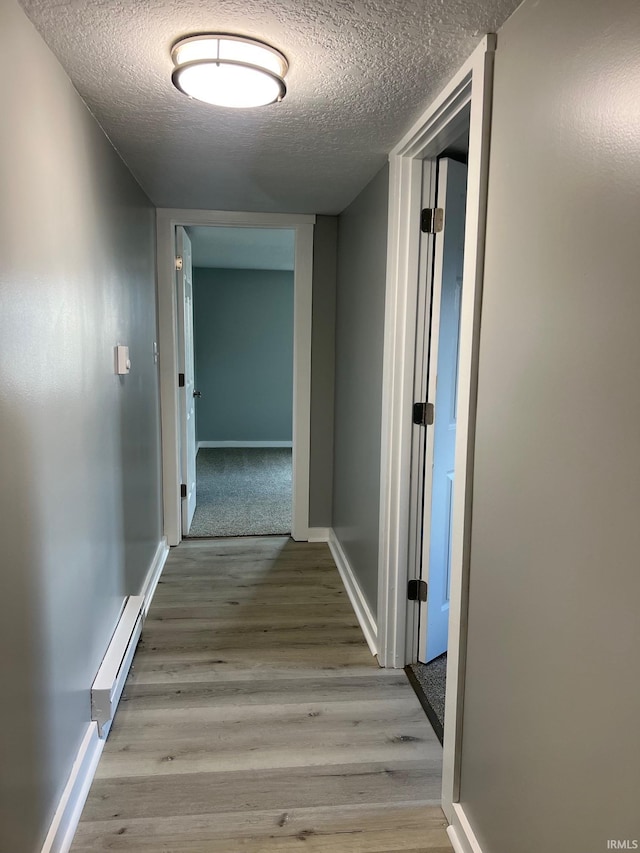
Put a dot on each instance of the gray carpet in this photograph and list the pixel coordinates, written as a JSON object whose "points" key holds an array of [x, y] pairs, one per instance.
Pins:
{"points": [[431, 681], [242, 492]]}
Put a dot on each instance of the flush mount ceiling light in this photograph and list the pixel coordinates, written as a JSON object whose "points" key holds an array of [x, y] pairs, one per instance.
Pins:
{"points": [[229, 71]]}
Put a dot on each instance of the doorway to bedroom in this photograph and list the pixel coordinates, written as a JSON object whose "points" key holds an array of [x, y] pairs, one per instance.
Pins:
{"points": [[242, 292]]}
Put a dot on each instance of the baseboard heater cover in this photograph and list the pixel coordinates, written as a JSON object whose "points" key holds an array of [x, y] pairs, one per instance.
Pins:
{"points": [[109, 682]]}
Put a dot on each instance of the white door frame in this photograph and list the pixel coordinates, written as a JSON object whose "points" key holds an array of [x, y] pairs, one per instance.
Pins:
{"points": [[439, 125], [166, 221]]}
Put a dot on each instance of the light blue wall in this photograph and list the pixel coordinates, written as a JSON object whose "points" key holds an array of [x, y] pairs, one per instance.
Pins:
{"points": [[244, 354], [362, 249], [80, 516]]}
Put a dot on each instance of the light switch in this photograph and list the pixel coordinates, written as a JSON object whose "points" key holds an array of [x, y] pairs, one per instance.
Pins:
{"points": [[123, 365]]}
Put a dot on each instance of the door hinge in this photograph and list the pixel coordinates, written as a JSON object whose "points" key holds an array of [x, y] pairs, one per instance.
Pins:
{"points": [[423, 414], [181, 380], [417, 590], [178, 263], [432, 220], [183, 490]]}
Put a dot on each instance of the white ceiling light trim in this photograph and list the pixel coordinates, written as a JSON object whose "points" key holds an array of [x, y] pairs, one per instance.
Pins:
{"points": [[229, 71]]}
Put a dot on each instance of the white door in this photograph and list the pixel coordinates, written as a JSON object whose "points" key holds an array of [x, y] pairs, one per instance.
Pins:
{"points": [[442, 392], [187, 370]]}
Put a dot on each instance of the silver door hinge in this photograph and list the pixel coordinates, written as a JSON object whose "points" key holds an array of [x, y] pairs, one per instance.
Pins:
{"points": [[178, 263], [423, 414], [417, 590], [432, 220]]}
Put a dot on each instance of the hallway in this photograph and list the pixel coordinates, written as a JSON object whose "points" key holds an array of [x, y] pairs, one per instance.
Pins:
{"points": [[255, 719]]}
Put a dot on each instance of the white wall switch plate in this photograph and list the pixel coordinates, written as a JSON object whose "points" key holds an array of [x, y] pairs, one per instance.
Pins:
{"points": [[123, 365]]}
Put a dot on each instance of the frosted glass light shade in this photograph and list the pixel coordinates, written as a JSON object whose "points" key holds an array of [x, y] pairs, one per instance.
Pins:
{"points": [[229, 71]]}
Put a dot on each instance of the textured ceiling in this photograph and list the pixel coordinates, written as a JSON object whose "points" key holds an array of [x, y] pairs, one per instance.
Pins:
{"points": [[361, 71], [243, 248]]}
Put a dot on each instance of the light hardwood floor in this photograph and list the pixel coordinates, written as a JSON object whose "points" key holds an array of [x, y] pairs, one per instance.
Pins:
{"points": [[255, 719]]}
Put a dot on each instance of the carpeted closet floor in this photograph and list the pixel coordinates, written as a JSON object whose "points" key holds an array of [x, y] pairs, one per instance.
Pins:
{"points": [[429, 680], [242, 492]]}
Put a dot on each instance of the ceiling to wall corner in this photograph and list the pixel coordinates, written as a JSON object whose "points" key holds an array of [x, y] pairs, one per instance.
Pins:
{"points": [[361, 72]]}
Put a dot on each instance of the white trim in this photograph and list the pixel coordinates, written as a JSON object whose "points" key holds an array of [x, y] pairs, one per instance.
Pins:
{"points": [[470, 89], [397, 398], [206, 444], [166, 221], [463, 838], [65, 821], [455, 841], [153, 575], [356, 596], [319, 534], [112, 674], [302, 319], [472, 280]]}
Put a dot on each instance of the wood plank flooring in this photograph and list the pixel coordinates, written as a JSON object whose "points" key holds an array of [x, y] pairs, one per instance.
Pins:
{"points": [[255, 719]]}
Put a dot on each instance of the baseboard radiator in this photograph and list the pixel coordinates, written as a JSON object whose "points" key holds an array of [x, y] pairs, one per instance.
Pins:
{"points": [[109, 683]]}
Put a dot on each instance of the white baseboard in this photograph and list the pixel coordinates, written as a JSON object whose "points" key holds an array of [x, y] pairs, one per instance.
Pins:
{"points": [[65, 821], [356, 596], [461, 835], [153, 575], [318, 534], [244, 444]]}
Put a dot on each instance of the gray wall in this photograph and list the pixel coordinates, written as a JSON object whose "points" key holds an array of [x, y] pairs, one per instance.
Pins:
{"points": [[322, 370], [552, 700], [362, 246], [244, 354], [79, 471]]}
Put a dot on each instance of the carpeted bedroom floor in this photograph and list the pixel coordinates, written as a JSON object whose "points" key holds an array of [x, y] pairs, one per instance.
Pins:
{"points": [[242, 492]]}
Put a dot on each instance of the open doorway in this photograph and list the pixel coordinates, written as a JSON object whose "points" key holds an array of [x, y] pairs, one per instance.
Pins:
{"points": [[463, 105], [173, 224], [437, 363], [237, 442]]}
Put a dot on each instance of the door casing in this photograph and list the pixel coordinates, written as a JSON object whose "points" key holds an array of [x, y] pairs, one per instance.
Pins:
{"points": [[466, 98], [166, 221], [186, 366]]}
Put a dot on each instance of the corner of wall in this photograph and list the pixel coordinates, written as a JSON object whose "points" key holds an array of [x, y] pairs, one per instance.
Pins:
{"points": [[323, 370]]}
